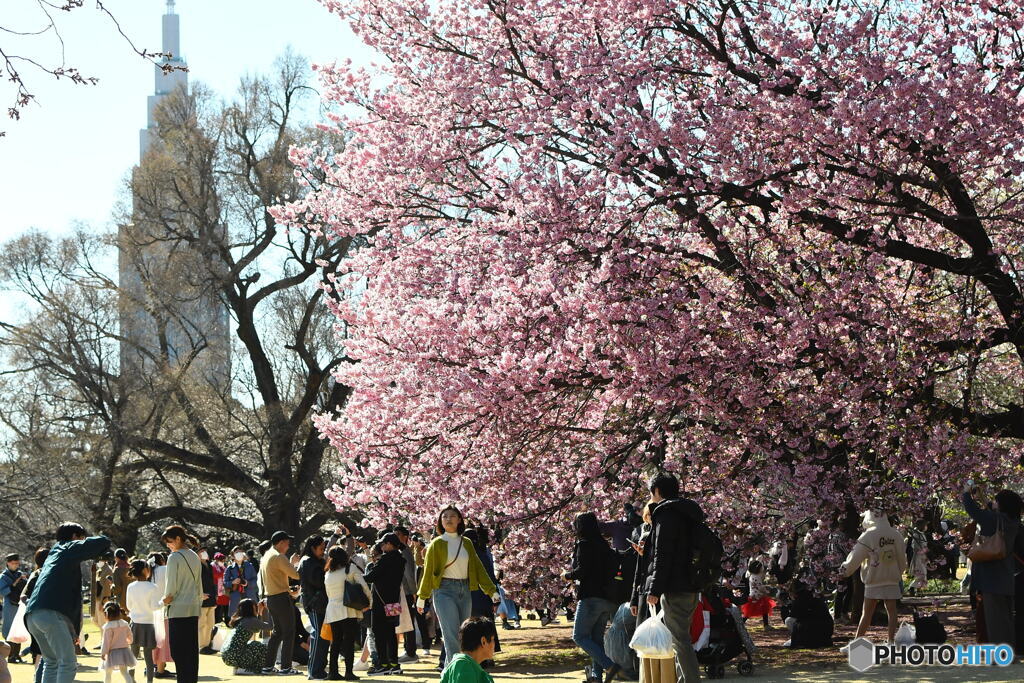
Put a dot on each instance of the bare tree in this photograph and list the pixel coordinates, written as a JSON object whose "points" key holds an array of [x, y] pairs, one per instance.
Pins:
{"points": [[183, 434]]}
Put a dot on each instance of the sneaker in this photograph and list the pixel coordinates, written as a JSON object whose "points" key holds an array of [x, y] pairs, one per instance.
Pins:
{"points": [[361, 665], [289, 672], [268, 671], [408, 658], [378, 671], [351, 677]]}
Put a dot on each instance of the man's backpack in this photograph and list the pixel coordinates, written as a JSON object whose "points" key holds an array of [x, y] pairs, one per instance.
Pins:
{"points": [[705, 557], [621, 570]]}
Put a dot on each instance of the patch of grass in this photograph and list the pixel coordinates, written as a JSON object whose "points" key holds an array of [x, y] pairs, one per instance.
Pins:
{"points": [[942, 586], [555, 652]]}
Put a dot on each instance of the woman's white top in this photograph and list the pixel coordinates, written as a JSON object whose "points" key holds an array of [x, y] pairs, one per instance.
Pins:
{"points": [[142, 598], [334, 582], [458, 565]]}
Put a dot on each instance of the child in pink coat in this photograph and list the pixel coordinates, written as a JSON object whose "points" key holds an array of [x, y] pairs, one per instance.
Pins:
{"points": [[116, 648]]}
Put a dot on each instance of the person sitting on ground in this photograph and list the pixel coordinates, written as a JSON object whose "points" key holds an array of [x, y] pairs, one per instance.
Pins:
{"points": [[808, 620], [241, 651], [616, 641], [477, 637]]}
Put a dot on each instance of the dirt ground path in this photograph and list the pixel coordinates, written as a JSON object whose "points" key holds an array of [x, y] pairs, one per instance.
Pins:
{"points": [[547, 655]]}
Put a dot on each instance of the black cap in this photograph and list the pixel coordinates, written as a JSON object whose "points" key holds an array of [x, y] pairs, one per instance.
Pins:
{"points": [[281, 536]]}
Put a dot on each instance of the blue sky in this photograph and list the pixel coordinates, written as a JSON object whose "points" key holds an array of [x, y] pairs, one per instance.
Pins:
{"points": [[67, 159]]}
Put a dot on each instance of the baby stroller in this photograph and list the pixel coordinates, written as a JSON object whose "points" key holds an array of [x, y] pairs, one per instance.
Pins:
{"points": [[727, 638]]}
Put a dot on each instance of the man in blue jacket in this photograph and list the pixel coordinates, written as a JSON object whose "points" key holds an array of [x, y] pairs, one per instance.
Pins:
{"points": [[54, 610]]}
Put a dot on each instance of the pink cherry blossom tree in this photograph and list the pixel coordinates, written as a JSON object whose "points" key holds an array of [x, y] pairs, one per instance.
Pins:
{"points": [[773, 247]]}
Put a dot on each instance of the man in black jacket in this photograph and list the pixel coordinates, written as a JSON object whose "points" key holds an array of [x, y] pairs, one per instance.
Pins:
{"points": [[668, 576]]}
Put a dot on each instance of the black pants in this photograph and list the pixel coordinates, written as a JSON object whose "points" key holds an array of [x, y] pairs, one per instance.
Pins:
{"points": [[282, 610], [183, 637], [343, 644], [384, 637], [419, 622]]}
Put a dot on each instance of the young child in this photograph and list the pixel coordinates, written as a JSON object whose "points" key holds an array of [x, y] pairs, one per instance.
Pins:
{"points": [[759, 604], [117, 637], [142, 598]]}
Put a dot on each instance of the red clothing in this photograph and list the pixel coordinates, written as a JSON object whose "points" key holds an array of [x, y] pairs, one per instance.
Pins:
{"points": [[758, 608], [700, 624], [218, 579]]}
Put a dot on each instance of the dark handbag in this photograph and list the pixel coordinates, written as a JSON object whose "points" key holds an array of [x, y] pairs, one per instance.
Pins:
{"points": [[354, 597]]}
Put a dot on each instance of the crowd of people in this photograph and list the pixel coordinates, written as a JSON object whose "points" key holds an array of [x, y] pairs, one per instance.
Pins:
{"points": [[358, 594], [809, 587], [344, 602]]}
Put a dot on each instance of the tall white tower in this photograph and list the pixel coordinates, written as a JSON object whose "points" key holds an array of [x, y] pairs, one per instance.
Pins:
{"points": [[173, 304], [166, 80]]}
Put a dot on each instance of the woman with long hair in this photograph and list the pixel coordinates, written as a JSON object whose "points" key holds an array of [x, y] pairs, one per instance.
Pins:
{"points": [[343, 619], [241, 651], [451, 572], [593, 563], [314, 601], [183, 596]]}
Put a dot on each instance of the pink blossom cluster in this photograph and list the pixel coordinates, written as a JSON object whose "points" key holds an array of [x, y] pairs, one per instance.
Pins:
{"points": [[771, 246]]}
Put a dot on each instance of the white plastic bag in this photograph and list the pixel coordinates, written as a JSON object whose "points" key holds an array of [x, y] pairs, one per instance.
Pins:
{"points": [[19, 632], [906, 635], [652, 638], [220, 638]]}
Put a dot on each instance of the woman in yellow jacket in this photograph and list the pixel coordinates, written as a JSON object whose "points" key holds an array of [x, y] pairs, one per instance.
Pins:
{"points": [[451, 572]]}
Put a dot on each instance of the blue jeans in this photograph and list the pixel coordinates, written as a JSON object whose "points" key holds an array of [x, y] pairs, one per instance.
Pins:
{"points": [[318, 647], [453, 605], [55, 636], [592, 617]]}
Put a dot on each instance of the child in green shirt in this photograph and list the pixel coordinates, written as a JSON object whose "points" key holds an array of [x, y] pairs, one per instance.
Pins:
{"points": [[477, 637]]}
